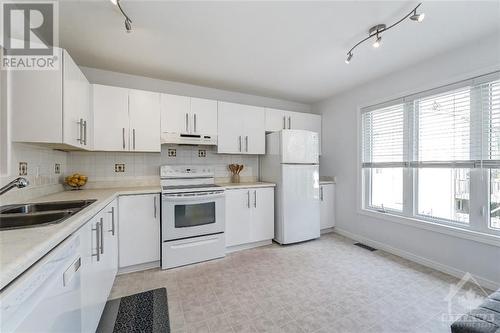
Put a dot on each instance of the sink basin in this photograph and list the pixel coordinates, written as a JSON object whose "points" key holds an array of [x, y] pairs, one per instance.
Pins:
{"points": [[38, 214], [15, 221], [45, 206]]}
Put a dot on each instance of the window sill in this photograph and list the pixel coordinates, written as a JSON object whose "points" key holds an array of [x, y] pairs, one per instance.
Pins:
{"points": [[437, 227]]}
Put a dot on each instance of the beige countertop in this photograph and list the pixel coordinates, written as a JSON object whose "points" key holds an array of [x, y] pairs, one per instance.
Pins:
{"points": [[246, 185], [21, 248], [326, 180]]}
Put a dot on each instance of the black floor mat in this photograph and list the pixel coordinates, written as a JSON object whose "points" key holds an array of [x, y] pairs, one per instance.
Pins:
{"points": [[366, 247], [143, 312]]}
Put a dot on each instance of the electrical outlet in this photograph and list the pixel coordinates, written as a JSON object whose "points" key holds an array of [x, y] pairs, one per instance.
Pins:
{"points": [[57, 168], [172, 152], [202, 153], [120, 167], [23, 168]]}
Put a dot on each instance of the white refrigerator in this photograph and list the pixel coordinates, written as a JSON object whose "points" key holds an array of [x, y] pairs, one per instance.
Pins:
{"points": [[291, 161]]}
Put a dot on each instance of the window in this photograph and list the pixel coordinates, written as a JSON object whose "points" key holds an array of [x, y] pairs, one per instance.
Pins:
{"points": [[422, 155]]}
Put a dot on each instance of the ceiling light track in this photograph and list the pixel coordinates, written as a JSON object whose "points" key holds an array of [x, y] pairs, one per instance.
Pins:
{"points": [[128, 21], [376, 31]]}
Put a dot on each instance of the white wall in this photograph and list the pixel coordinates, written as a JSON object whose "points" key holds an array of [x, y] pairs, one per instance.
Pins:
{"points": [[140, 82], [340, 149]]}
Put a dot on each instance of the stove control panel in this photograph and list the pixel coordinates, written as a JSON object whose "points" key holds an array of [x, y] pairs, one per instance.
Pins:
{"points": [[186, 171]]}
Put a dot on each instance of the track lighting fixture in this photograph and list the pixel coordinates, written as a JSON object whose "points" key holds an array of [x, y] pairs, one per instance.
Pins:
{"points": [[349, 57], [376, 31], [128, 21]]}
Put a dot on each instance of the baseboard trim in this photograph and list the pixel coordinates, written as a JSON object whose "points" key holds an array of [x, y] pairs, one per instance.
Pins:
{"points": [[247, 246], [138, 268], [486, 283], [327, 230]]}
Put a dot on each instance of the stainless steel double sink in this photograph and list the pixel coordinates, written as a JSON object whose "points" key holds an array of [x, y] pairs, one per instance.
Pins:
{"points": [[38, 214]]}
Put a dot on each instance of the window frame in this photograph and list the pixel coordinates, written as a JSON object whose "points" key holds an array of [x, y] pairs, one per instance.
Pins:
{"points": [[478, 227]]}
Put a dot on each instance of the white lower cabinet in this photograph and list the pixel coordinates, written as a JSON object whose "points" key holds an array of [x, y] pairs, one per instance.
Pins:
{"points": [[249, 215], [139, 230], [99, 266], [327, 205]]}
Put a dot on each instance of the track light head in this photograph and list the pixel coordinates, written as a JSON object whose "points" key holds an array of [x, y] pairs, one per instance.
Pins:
{"points": [[377, 42], [417, 17], [349, 57], [128, 25]]}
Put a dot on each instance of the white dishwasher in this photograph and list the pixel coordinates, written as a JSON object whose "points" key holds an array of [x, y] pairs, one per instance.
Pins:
{"points": [[46, 298]]}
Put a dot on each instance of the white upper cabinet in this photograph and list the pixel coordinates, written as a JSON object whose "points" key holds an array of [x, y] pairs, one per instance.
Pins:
{"points": [[277, 120], [110, 117], [144, 115], [241, 129], [188, 115], [51, 106], [125, 119]]}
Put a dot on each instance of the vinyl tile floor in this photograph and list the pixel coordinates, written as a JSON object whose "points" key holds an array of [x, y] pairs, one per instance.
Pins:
{"points": [[325, 285]]}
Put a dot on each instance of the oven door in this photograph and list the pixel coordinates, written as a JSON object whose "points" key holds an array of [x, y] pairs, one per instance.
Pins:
{"points": [[192, 214]]}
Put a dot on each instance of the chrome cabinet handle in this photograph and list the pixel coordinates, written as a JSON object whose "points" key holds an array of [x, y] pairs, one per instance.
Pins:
{"points": [[154, 202], [239, 139], [102, 236], [123, 137], [112, 212], [248, 199], [80, 129], [321, 193], [97, 241], [195, 123], [246, 143], [289, 122], [187, 121], [284, 122], [255, 199], [85, 132], [133, 136]]}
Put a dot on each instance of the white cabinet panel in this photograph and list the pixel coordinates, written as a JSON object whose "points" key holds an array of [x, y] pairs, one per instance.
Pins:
{"points": [[139, 229], [327, 205], [144, 113], [249, 215], [110, 118], [203, 116], [241, 129], [262, 214], [276, 120], [76, 105], [175, 113], [238, 225], [309, 122]]}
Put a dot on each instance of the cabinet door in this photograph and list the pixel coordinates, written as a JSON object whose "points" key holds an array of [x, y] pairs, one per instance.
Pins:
{"points": [[139, 229], [255, 133], [110, 229], [238, 212], [144, 112], [262, 214], [203, 116], [175, 113], [276, 120], [230, 134], [94, 291], [110, 118], [76, 114], [327, 204], [35, 99]]}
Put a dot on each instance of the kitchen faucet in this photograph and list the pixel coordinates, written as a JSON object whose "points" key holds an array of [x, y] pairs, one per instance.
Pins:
{"points": [[18, 182]]}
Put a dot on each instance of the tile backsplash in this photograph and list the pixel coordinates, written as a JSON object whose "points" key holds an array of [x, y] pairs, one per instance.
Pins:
{"points": [[143, 168]]}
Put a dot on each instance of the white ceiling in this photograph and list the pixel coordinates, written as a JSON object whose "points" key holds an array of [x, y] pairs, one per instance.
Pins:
{"points": [[290, 50]]}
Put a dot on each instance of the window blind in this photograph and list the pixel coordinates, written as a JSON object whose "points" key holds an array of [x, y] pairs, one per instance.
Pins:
{"points": [[383, 136], [490, 104]]}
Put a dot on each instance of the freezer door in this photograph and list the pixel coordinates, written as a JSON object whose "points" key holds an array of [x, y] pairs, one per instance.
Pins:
{"points": [[298, 146], [300, 203]]}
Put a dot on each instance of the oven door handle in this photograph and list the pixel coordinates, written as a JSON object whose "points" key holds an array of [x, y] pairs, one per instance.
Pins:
{"points": [[171, 197]]}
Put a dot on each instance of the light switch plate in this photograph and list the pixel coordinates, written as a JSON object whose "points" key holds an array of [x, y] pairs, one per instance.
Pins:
{"points": [[202, 153], [23, 168], [120, 167], [172, 152]]}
